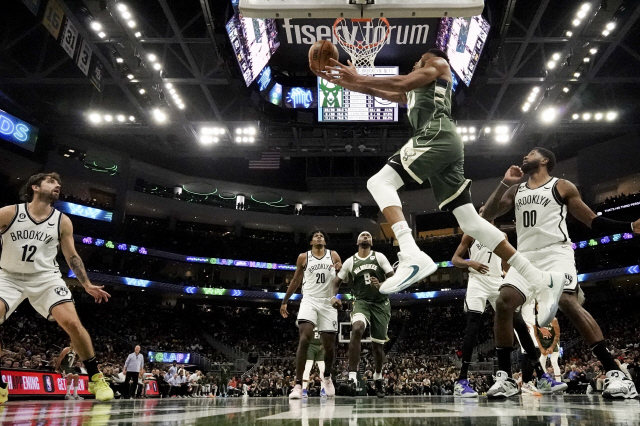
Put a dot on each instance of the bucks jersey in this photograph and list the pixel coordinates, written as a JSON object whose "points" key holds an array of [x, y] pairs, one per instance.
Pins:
{"points": [[544, 341], [360, 270], [480, 253], [318, 275], [28, 246], [67, 363], [429, 107], [540, 216]]}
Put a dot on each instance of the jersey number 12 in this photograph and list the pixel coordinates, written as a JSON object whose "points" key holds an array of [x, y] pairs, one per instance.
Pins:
{"points": [[31, 250]]}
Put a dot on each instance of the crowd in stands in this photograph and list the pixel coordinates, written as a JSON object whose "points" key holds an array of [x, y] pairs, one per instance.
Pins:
{"points": [[91, 202]]}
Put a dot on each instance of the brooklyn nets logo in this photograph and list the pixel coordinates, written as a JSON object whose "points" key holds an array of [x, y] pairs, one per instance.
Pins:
{"points": [[61, 291]]}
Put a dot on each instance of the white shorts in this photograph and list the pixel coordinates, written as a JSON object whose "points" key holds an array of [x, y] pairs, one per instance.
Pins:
{"points": [[319, 312], [480, 289], [44, 290], [557, 258]]}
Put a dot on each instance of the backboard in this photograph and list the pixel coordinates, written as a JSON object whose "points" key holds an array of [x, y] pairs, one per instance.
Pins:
{"points": [[281, 9]]}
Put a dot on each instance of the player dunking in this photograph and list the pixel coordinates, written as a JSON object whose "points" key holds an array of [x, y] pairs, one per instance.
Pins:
{"points": [[366, 269], [435, 153], [315, 269], [65, 365], [31, 234], [540, 206]]}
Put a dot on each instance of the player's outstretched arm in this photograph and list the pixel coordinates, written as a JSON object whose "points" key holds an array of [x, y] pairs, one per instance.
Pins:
{"points": [[337, 262], [501, 201], [463, 248], [75, 263], [294, 284]]}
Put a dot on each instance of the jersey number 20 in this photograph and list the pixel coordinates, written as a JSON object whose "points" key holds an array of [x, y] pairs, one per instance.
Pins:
{"points": [[320, 279], [31, 251]]}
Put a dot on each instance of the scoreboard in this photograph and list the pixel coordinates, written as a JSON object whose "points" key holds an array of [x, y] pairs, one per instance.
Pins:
{"points": [[336, 104]]}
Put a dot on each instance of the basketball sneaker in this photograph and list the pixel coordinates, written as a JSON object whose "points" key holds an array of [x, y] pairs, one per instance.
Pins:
{"points": [[618, 386], [68, 396], [461, 389], [549, 296], [547, 384], [351, 388], [329, 389], [4, 394], [296, 392], [78, 397], [323, 394], [100, 388], [530, 389], [411, 269], [380, 388], [305, 394], [504, 386]]}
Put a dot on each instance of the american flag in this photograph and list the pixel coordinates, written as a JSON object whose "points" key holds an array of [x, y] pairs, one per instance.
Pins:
{"points": [[270, 160]]}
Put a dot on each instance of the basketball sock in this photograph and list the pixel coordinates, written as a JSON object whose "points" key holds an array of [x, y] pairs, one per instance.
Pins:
{"points": [[599, 349], [474, 320], [75, 390], [377, 376], [353, 376], [305, 384], [299, 382], [527, 370], [69, 388], [504, 360], [402, 232], [92, 367], [525, 268]]}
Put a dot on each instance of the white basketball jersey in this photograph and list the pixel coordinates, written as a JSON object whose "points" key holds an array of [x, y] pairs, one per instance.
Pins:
{"points": [[318, 275], [481, 254], [540, 216], [28, 246]]}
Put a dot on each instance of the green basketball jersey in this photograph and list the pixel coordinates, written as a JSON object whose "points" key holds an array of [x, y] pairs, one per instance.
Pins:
{"points": [[316, 338], [429, 104], [363, 270], [546, 342]]}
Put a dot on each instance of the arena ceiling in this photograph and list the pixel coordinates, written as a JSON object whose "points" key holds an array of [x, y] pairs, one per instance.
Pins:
{"points": [[42, 85]]}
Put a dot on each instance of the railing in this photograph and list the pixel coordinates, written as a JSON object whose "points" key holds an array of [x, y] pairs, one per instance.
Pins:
{"points": [[240, 358]]}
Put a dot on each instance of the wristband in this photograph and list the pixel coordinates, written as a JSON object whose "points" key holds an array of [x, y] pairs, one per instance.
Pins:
{"points": [[502, 182], [603, 224]]}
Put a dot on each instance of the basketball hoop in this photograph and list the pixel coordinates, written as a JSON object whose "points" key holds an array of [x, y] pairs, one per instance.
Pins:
{"points": [[362, 38]]}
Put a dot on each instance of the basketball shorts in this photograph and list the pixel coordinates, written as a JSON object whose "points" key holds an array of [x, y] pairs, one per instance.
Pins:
{"points": [[319, 312], [480, 289], [436, 155], [44, 290], [376, 315], [315, 352]]}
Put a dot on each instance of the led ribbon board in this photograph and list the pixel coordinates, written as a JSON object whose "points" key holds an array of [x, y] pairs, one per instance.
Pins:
{"points": [[18, 132], [168, 357], [84, 211]]}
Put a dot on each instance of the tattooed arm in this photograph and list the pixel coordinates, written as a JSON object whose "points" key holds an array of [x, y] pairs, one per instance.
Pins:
{"points": [[76, 264]]}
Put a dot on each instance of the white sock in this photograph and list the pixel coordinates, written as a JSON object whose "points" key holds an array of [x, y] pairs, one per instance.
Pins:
{"points": [[377, 376], [525, 268], [69, 388], [305, 383], [75, 390], [353, 376], [402, 232]]}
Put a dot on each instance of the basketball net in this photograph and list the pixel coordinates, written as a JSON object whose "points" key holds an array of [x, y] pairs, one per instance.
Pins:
{"points": [[362, 38]]}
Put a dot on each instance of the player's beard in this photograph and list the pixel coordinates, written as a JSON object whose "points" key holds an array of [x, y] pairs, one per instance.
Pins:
{"points": [[365, 244], [50, 197], [530, 166]]}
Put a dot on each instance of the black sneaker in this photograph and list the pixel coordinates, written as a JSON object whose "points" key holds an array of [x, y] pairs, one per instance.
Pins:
{"points": [[380, 388], [351, 388]]}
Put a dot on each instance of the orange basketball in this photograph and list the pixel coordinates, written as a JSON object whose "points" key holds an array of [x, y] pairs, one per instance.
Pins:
{"points": [[320, 54]]}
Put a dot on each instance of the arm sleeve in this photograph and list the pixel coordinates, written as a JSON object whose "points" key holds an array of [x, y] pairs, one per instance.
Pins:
{"points": [[347, 266], [384, 263]]}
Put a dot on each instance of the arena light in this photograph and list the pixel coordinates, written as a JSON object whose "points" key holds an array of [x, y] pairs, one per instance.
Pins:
{"points": [[575, 22], [108, 118], [131, 24], [120, 118], [132, 118], [526, 107], [126, 15], [605, 33], [585, 6], [119, 60], [586, 116], [138, 34], [581, 14], [593, 50], [610, 26], [487, 130], [94, 117], [501, 130], [586, 59], [151, 57], [472, 129], [238, 131], [551, 65], [463, 130], [536, 89], [157, 66], [502, 138], [168, 85], [611, 115], [251, 131], [181, 106], [142, 91], [96, 26], [548, 115], [238, 139], [465, 138], [159, 116], [556, 56], [130, 76], [598, 116], [565, 89], [206, 140], [122, 7], [101, 34], [576, 74], [569, 33], [472, 137], [575, 116]]}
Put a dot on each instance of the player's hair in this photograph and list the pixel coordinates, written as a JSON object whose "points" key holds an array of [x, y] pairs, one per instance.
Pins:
{"points": [[439, 53], [316, 231], [37, 180], [548, 155]]}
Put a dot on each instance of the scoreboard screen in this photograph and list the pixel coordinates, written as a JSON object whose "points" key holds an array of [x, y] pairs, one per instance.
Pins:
{"points": [[336, 103]]}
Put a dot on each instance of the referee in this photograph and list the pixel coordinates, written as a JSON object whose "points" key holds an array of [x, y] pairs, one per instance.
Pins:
{"points": [[133, 369]]}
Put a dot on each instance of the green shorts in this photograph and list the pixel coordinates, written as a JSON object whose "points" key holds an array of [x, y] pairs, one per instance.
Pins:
{"points": [[377, 315], [437, 155], [315, 353]]}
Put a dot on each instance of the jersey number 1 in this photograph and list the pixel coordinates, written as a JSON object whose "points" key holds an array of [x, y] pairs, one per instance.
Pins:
{"points": [[31, 250]]}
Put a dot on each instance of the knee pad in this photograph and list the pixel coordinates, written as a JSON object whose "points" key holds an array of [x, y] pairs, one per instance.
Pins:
{"points": [[478, 228], [384, 186]]}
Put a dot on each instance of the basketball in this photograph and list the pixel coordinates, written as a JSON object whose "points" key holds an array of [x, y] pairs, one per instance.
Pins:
{"points": [[320, 53]]}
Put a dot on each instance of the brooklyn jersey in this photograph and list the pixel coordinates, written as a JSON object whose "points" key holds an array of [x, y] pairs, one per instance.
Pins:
{"points": [[540, 216], [318, 275], [481, 254], [30, 247]]}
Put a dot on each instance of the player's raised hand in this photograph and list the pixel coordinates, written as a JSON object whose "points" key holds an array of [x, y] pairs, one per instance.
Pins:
{"points": [[340, 73], [546, 333], [99, 295], [336, 303], [483, 269], [513, 175], [283, 310]]}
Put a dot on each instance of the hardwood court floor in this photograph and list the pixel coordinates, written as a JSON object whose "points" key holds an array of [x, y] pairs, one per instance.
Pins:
{"points": [[583, 410]]}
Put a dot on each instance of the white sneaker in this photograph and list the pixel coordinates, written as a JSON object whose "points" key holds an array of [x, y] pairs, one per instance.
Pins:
{"points": [[296, 392], [530, 388], [617, 386], [329, 389], [551, 289], [78, 397], [68, 396], [590, 390], [412, 268], [504, 386]]}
